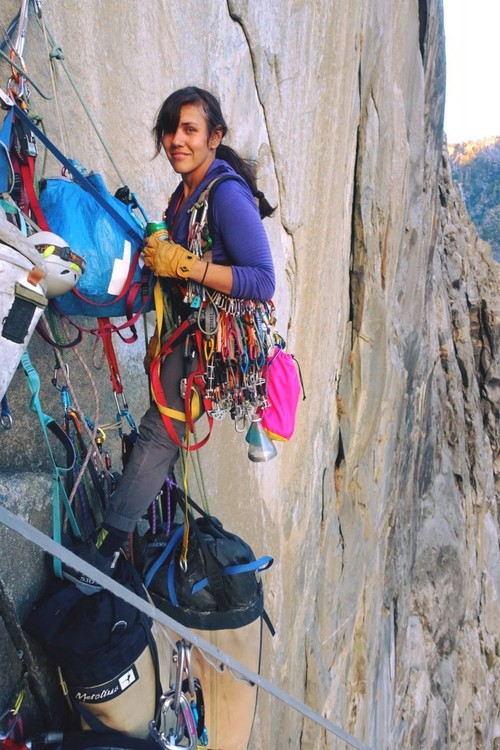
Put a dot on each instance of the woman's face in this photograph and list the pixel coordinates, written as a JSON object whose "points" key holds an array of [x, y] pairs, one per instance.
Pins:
{"points": [[189, 150]]}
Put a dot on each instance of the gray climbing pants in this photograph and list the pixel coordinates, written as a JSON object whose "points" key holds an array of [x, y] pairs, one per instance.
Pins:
{"points": [[154, 453]]}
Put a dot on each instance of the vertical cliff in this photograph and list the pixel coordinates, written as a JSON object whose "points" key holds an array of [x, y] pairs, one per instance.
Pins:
{"points": [[382, 512]]}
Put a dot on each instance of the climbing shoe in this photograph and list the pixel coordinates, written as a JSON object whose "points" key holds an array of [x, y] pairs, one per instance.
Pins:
{"points": [[90, 554]]}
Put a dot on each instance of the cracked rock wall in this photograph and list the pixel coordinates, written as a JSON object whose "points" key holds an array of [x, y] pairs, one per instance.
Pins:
{"points": [[382, 512]]}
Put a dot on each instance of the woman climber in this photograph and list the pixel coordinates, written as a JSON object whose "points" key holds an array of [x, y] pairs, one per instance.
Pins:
{"points": [[189, 127]]}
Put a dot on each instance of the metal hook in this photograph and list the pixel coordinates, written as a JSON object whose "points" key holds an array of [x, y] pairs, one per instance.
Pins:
{"points": [[241, 419], [171, 738], [124, 407], [25, 75], [191, 687], [181, 654], [54, 376], [6, 726]]}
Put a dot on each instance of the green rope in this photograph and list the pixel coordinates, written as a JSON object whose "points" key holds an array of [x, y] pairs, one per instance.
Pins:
{"points": [[24, 74], [57, 54]]}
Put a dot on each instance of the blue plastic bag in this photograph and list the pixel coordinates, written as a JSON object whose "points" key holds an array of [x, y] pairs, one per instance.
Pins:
{"points": [[114, 283], [6, 171]]}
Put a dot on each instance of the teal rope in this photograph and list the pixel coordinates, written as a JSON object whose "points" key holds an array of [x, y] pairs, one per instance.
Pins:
{"points": [[58, 472]]}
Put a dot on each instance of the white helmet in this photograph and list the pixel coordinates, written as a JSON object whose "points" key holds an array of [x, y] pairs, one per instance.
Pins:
{"points": [[64, 267]]}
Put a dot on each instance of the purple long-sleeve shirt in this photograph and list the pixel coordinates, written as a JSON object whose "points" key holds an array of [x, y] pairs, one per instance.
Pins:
{"points": [[238, 235]]}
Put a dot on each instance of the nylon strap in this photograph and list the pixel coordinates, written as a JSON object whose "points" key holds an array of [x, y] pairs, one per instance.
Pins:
{"points": [[166, 412], [58, 489], [105, 331], [79, 177], [27, 171]]}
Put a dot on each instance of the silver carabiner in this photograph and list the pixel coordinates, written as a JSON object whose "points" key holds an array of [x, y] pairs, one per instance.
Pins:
{"points": [[6, 726], [179, 675], [6, 421], [185, 731], [188, 648], [187, 725], [157, 725]]}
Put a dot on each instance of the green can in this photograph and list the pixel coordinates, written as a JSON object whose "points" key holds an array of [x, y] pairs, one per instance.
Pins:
{"points": [[157, 229]]}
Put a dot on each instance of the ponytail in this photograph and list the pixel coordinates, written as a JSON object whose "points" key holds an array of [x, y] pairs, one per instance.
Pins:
{"points": [[245, 168]]}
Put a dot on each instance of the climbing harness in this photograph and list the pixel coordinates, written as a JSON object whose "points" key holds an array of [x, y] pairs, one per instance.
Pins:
{"points": [[59, 495], [66, 480], [94, 486]]}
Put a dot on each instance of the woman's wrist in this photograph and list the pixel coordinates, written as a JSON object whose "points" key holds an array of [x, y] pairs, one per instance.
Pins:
{"points": [[214, 275], [199, 271], [204, 273]]}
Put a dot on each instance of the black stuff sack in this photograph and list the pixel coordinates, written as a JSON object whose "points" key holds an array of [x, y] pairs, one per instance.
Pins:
{"points": [[105, 651], [218, 588]]}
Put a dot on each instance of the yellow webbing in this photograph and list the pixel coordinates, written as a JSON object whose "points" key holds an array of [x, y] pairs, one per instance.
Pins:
{"points": [[175, 414], [158, 298]]}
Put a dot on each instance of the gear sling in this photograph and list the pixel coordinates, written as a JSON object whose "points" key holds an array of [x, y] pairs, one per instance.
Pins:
{"points": [[231, 340]]}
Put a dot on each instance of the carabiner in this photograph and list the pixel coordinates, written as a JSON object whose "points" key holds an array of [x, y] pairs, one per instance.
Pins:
{"points": [[240, 418], [170, 738], [187, 725], [5, 415], [6, 726], [187, 655], [180, 658], [65, 399], [124, 406], [6, 421], [54, 376]]}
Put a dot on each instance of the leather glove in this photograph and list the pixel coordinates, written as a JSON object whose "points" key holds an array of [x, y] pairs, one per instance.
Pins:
{"points": [[165, 258], [151, 351]]}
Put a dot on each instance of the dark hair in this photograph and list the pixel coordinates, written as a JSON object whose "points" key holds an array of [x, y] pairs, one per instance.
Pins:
{"points": [[167, 121]]}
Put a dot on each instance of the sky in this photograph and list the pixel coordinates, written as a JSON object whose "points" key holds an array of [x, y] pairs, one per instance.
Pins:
{"points": [[472, 29]]}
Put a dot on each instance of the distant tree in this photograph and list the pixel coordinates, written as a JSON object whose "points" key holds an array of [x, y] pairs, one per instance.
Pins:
{"points": [[476, 169]]}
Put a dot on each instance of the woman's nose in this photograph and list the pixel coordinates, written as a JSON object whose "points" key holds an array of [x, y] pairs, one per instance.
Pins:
{"points": [[177, 137], [171, 139]]}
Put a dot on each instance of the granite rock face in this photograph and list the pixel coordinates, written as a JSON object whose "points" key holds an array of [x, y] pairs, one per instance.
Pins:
{"points": [[382, 512]]}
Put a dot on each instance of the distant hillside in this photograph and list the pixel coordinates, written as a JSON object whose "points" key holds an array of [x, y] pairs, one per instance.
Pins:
{"points": [[476, 168]]}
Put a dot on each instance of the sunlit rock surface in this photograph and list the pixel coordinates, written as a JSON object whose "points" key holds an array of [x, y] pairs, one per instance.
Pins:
{"points": [[381, 513]]}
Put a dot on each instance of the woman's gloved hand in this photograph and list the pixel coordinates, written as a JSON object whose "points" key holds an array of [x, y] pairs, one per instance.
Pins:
{"points": [[165, 258]]}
